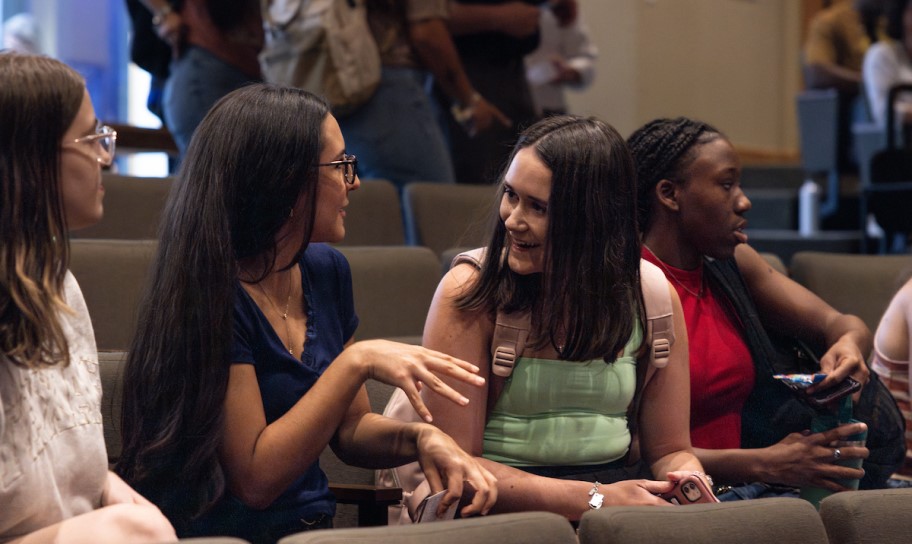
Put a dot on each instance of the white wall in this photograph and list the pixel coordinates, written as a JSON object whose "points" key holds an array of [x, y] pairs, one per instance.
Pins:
{"points": [[732, 63]]}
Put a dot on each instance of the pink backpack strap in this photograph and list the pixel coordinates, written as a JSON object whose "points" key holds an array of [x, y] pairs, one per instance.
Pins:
{"points": [[659, 313], [511, 330]]}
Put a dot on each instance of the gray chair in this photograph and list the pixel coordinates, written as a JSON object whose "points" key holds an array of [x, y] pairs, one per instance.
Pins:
{"points": [[132, 208], [876, 515], [443, 215], [856, 284], [393, 287], [758, 520], [518, 528], [374, 215], [112, 275]]}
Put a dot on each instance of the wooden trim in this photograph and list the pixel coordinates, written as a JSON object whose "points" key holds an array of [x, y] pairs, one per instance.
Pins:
{"points": [[754, 155], [132, 139]]}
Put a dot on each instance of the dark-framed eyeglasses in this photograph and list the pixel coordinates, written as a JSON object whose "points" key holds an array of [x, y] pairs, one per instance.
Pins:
{"points": [[349, 164], [102, 143]]}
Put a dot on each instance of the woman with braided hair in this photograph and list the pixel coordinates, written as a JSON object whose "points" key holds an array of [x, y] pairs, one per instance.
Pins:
{"points": [[691, 214]]}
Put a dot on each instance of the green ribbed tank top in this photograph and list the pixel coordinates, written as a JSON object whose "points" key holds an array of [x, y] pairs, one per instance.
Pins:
{"points": [[564, 413]]}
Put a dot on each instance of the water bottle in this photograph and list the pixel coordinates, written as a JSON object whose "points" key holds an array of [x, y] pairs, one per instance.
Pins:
{"points": [[808, 208]]}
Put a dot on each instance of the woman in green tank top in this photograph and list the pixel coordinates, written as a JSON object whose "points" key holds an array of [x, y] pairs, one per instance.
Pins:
{"points": [[566, 231]]}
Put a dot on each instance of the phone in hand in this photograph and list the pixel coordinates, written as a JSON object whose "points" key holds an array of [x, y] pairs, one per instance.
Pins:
{"points": [[689, 490], [842, 389], [427, 509]]}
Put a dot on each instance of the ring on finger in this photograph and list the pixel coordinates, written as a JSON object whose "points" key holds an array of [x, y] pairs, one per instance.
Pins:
{"points": [[837, 453]]}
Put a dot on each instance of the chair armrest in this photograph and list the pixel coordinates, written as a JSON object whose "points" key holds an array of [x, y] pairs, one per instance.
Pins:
{"points": [[372, 501]]}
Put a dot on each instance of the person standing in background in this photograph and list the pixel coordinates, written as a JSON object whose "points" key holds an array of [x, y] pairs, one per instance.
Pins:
{"points": [[395, 135], [834, 50], [564, 58], [493, 37], [215, 44]]}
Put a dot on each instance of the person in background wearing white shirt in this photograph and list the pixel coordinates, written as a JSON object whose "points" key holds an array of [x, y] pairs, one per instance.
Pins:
{"points": [[565, 58]]}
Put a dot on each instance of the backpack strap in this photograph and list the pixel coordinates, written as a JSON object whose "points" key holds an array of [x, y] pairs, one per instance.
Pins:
{"points": [[659, 313], [511, 330]]}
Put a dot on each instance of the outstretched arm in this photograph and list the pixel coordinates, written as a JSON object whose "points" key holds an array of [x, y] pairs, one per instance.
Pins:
{"points": [[790, 308], [261, 460]]}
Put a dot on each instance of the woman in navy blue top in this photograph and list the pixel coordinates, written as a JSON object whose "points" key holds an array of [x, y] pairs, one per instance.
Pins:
{"points": [[244, 367]]}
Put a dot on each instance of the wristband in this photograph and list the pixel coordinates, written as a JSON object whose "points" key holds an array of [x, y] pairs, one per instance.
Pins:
{"points": [[463, 113], [597, 498]]}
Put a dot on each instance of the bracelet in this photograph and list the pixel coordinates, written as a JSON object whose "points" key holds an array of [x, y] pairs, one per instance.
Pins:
{"points": [[160, 15], [706, 477], [597, 498]]}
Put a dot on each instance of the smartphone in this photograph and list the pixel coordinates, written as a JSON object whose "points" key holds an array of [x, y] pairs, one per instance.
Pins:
{"points": [[427, 509], [690, 490], [842, 389]]}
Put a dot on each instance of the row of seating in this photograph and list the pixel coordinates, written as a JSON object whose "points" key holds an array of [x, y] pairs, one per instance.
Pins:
{"points": [[851, 517], [433, 215], [393, 285]]}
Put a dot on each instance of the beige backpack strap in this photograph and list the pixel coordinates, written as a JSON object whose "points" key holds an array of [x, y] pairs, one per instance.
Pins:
{"points": [[511, 330], [659, 313]]}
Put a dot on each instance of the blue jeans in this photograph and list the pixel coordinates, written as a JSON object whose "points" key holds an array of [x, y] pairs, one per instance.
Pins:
{"points": [[198, 80], [395, 134], [756, 490]]}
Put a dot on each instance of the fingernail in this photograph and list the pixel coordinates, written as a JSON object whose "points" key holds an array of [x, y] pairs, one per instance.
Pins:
{"points": [[463, 401], [479, 380], [428, 418]]}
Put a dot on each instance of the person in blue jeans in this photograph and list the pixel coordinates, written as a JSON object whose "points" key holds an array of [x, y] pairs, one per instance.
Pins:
{"points": [[215, 49]]}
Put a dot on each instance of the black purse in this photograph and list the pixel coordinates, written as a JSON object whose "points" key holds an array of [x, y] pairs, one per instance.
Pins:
{"points": [[773, 411]]}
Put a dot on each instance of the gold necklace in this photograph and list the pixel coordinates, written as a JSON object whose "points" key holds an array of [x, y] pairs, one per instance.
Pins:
{"points": [[283, 314], [675, 278]]}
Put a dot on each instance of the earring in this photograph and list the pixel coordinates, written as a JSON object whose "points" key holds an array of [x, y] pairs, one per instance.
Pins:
{"points": [[291, 213]]}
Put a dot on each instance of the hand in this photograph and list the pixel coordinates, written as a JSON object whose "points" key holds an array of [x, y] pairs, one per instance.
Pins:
{"points": [[412, 367], [447, 466], [519, 19], [485, 115], [844, 358], [802, 459], [563, 72], [636, 492], [117, 491]]}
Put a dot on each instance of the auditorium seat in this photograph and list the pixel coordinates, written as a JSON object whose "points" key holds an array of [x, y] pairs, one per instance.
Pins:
{"points": [[393, 287], [374, 215], [857, 284], [443, 215], [758, 520], [132, 208], [875, 515], [514, 528], [112, 275]]}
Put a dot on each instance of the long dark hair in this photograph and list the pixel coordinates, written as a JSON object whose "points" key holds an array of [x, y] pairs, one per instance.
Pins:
{"points": [[39, 99], [590, 289], [250, 160], [665, 149]]}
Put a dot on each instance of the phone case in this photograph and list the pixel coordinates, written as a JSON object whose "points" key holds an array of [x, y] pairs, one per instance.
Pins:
{"points": [[838, 391], [427, 510], [690, 490]]}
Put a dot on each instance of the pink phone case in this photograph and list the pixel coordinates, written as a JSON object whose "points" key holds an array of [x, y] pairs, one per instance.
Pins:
{"points": [[690, 490]]}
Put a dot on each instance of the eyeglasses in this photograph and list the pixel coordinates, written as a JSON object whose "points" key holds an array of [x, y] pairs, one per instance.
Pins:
{"points": [[350, 163], [103, 141]]}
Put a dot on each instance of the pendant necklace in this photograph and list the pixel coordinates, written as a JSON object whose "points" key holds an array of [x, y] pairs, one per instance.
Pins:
{"points": [[674, 278], [283, 314]]}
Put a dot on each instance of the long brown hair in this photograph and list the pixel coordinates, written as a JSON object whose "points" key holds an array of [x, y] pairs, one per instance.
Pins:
{"points": [[590, 289], [39, 99]]}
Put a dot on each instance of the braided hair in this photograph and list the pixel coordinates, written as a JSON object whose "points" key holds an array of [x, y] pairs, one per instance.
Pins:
{"points": [[663, 149]]}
